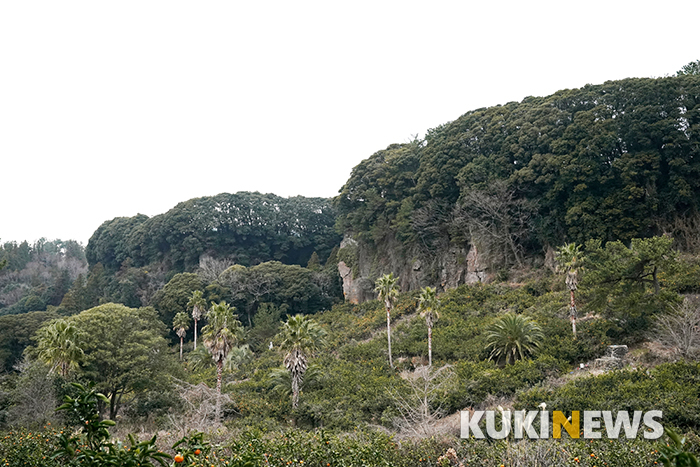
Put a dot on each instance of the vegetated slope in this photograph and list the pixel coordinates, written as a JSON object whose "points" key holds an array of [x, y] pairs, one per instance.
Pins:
{"points": [[611, 161], [354, 385], [249, 228], [38, 275]]}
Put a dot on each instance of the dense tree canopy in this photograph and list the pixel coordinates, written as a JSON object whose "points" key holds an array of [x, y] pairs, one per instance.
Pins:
{"points": [[16, 333], [176, 294], [611, 161], [248, 227], [124, 350]]}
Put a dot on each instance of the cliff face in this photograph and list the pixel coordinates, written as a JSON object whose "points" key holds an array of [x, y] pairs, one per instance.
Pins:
{"points": [[361, 264], [496, 188]]}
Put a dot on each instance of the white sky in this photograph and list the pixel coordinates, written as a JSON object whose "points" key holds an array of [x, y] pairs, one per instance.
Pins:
{"points": [[113, 108]]}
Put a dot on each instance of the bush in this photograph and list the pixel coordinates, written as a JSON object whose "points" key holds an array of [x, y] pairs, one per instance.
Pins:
{"points": [[673, 388]]}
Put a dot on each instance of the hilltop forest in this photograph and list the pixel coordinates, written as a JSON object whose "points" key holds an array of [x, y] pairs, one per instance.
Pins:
{"points": [[349, 331]]}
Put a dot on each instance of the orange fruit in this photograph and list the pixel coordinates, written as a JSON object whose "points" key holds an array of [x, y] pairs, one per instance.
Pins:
{"points": [[197, 452], [179, 458]]}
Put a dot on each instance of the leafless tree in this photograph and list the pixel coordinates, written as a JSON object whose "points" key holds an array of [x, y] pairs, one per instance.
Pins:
{"points": [[680, 328], [147, 291], [211, 268], [499, 220], [430, 224], [257, 285], [33, 397], [419, 410], [683, 229], [199, 407]]}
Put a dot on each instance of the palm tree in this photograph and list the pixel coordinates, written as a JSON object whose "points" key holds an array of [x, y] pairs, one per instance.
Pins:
{"points": [[569, 259], [237, 357], [388, 290], [222, 333], [181, 323], [59, 346], [199, 306], [301, 336], [428, 303], [280, 381], [513, 337]]}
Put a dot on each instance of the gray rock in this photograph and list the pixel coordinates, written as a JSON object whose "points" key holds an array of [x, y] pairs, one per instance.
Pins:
{"points": [[608, 363], [617, 351]]}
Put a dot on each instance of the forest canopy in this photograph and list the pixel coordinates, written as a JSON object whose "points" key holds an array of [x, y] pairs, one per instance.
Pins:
{"points": [[612, 161], [248, 227]]}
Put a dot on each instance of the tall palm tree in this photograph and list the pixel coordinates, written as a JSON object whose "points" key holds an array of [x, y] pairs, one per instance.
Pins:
{"points": [[513, 337], [181, 323], [199, 307], [222, 333], [569, 259], [428, 303], [59, 346], [301, 336], [388, 290]]}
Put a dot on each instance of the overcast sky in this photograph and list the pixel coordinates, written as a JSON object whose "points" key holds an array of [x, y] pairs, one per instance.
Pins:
{"points": [[116, 108]]}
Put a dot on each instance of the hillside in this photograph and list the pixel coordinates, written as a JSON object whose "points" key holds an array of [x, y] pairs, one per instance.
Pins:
{"points": [[500, 186], [551, 229]]}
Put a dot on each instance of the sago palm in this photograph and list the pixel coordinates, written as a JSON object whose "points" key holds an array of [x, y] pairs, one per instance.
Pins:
{"points": [[513, 337], [428, 303], [59, 346], [569, 259], [300, 337], [181, 323], [388, 289], [199, 307]]}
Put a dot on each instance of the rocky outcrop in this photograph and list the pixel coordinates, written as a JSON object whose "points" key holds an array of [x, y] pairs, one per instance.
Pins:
{"points": [[354, 290], [360, 265]]}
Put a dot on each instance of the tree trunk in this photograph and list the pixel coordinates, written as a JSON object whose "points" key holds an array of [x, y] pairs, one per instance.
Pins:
{"points": [[295, 392], [114, 403], [181, 349], [572, 312], [430, 346], [219, 370], [388, 334], [195, 334]]}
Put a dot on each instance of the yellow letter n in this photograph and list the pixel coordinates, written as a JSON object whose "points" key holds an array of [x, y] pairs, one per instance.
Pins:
{"points": [[559, 420]]}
